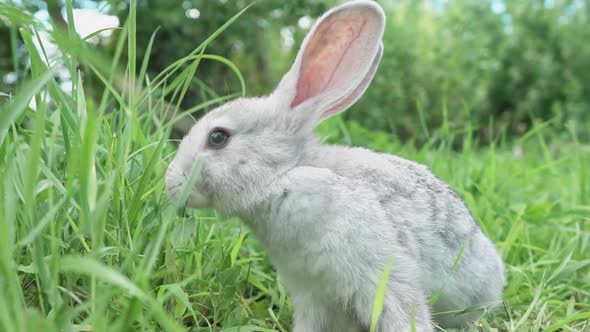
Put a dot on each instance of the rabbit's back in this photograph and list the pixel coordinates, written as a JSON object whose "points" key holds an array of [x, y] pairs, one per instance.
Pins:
{"points": [[457, 262], [415, 199]]}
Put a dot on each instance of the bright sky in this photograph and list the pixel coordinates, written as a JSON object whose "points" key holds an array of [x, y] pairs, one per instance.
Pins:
{"points": [[86, 22]]}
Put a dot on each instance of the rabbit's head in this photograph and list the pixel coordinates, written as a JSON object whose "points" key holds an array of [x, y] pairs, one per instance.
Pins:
{"points": [[246, 144]]}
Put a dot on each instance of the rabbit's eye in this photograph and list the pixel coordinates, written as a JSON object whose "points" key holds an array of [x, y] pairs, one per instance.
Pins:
{"points": [[218, 138]]}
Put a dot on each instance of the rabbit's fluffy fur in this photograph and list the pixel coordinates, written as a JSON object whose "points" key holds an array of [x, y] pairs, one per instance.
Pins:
{"points": [[332, 217]]}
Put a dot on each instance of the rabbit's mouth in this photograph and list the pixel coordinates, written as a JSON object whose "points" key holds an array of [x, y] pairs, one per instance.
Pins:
{"points": [[175, 181]]}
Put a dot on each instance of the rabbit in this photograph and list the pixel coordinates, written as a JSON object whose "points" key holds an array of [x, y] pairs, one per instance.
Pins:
{"points": [[333, 218]]}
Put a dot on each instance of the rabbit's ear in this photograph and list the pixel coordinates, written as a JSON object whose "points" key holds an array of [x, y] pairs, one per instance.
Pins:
{"points": [[336, 62]]}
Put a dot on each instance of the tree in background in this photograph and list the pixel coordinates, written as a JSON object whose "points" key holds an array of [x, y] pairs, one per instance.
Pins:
{"points": [[254, 42]]}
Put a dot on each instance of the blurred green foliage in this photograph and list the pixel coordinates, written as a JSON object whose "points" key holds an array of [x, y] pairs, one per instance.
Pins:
{"points": [[479, 61], [462, 65]]}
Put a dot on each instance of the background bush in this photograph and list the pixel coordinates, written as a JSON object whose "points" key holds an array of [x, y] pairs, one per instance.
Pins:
{"points": [[481, 62]]}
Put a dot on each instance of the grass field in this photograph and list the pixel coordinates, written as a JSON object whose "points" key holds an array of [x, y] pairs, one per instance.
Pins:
{"points": [[89, 241]]}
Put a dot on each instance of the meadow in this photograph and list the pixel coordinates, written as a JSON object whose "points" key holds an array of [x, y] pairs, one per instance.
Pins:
{"points": [[90, 242]]}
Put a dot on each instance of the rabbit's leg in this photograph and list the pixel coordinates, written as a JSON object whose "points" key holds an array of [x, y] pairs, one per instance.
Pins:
{"points": [[403, 310], [312, 315], [416, 318], [309, 315], [474, 288]]}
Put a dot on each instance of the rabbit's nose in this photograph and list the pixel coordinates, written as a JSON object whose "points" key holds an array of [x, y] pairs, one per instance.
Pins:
{"points": [[174, 179]]}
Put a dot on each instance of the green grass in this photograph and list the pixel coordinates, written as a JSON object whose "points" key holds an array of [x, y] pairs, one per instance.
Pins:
{"points": [[89, 241]]}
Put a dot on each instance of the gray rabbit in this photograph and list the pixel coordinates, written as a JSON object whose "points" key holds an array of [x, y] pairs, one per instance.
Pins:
{"points": [[331, 217]]}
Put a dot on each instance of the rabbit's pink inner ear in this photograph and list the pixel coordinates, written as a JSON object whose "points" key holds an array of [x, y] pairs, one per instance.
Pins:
{"points": [[358, 91], [339, 49]]}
